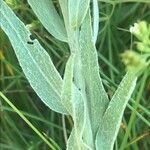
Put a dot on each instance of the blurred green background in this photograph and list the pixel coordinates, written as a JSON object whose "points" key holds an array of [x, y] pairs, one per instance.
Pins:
{"points": [[114, 38]]}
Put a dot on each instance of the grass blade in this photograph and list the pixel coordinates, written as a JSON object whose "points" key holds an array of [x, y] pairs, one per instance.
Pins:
{"points": [[27, 121]]}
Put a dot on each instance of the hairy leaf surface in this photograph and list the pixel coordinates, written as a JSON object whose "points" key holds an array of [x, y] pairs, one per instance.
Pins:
{"points": [[67, 90], [95, 20], [97, 99], [34, 60], [47, 14], [112, 117], [77, 11]]}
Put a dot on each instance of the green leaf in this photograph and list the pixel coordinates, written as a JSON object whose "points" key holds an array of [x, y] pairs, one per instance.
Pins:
{"points": [[64, 8], [97, 99], [95, 20], [47, 14], [71, 143], [79, 118], [77, 11], [67, 89], [75, 143], [108, 131], [78, 105], [34, 60]]}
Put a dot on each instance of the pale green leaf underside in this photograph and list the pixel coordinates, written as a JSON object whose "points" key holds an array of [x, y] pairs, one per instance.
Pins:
{"points": [[77, 11], [97, 99], [67, 89], [64, 8], [75, 143], [90, 107], [47, 14], [112, 117], [95, 20], [78, 117], [34, 60], [71, 143]]}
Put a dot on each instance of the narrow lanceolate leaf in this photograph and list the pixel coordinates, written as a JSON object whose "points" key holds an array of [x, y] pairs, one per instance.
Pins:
{"points": [[78, 103], [77, 11], [95, 20], [78, 118], [74, 143], [34, 60], [64, 8], [67, 89], [97, 99], [47, 14], [112, 117]]}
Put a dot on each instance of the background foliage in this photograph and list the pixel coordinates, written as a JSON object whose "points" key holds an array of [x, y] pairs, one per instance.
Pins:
{"points": [[114, 38]]}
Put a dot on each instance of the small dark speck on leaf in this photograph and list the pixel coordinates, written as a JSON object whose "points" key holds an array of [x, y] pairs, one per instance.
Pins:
{"points": [[30, 42], [32, 37]]}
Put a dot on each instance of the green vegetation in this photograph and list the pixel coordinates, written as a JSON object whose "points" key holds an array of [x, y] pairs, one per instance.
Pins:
{"points": [[72, 86]]}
